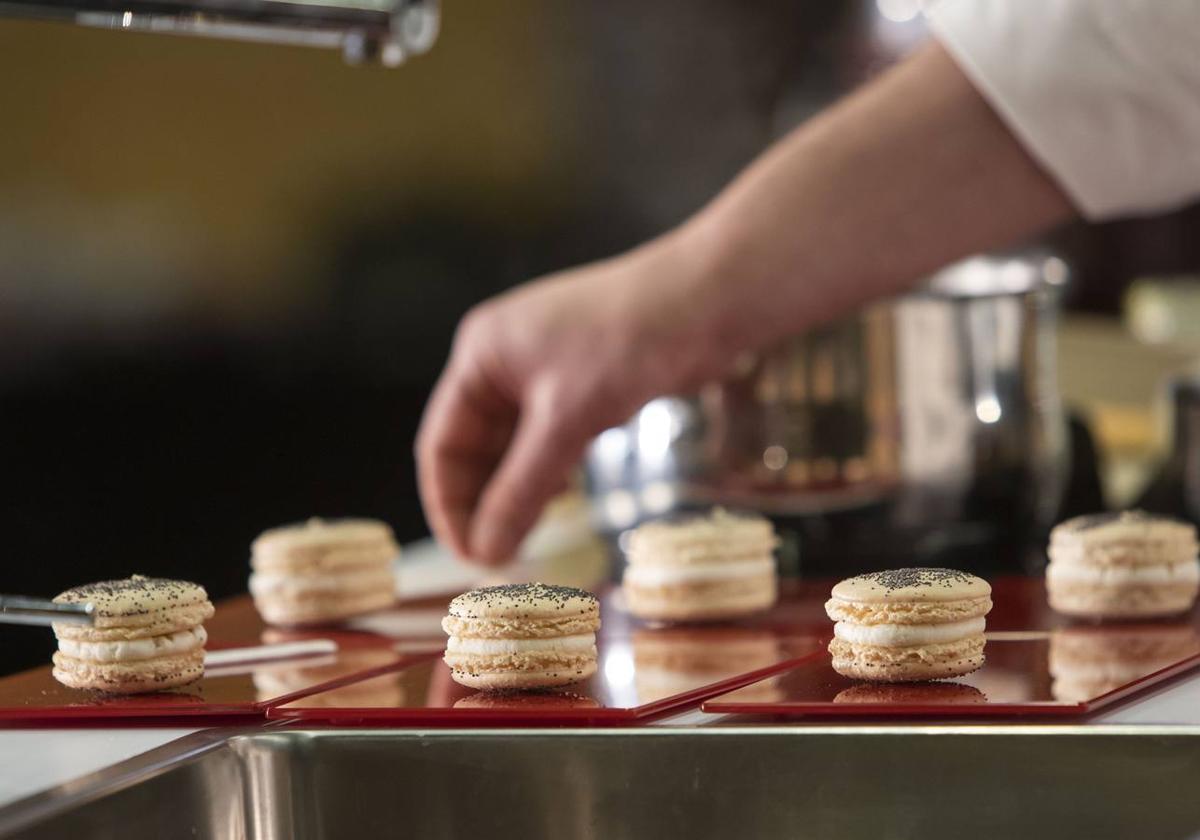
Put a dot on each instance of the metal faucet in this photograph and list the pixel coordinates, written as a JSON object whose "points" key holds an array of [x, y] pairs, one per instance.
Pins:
{"points": [[383, 32]]}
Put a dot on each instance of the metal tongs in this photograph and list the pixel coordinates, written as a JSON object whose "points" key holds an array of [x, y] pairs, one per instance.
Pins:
{"points": [[20, 609]]}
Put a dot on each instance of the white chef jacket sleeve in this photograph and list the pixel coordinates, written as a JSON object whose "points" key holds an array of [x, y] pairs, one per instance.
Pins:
{"points": [[1104, 94]]}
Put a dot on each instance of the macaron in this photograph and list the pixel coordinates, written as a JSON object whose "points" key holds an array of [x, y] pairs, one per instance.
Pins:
{"points": [[908, 625], [705, 568], [323, 571], [1122, 565], [522, 636], [147, 635]]}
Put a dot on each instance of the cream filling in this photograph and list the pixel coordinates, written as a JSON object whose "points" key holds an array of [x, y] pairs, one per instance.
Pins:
{"points": [[906, 635], [659, 575], [712, 556], [1188, 572], [583, 643], [268, 583], [133, 650]]}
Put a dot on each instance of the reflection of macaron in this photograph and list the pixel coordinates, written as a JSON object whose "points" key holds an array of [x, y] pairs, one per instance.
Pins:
{"points": [[1122, 565], [1086, 662], [908, 625], [275, 679], [146, 636], [907, 694], [673, 660], [704, 568], [547, 702], [523, 635], [322, 571]]}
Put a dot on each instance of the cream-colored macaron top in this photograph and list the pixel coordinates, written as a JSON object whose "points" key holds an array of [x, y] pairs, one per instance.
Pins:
{"points": [[1129, 526], [704, 538], [525, 600], [135, 597], [922, 584], [320, 533]]}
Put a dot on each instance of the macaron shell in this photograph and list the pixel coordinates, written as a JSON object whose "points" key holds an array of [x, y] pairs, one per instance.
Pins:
{"points": [[907, 664], [322, 608], [327, 559], [1126, 539], [300, 587], [525, 601], [136, 601], [523, 680], [702, 601], [517, 628], [319, 533], [1123, 526], [907, 612], [719, 533], [170, 621], [912, 585], [138, 677], [522, 661]]}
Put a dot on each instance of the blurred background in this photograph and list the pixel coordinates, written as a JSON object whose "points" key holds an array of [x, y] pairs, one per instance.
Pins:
{"points": [[229, 274]]}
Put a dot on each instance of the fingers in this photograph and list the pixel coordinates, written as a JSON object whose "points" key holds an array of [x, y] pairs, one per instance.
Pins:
{"points": [[464, 432], [543, 450]]}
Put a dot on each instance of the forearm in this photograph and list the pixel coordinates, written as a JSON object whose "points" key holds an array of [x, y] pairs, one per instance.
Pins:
{"points": [[905, 176], [912, 172]]}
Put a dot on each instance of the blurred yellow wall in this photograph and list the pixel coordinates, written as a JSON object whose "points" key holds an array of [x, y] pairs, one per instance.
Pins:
{"points": [[240, 152]]}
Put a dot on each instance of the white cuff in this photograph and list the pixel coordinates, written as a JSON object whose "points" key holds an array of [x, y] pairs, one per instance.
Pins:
{"points": [[1104, 94]]}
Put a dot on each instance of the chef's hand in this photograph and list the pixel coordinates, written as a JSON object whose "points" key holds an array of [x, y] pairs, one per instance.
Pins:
{"points": [[537, 372], [913, 171]]}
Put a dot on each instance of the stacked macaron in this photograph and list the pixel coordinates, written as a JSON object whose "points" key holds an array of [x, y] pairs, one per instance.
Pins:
{"points": [[147, 635], [1122, 565], [701, 568], [907, 625], [522, 636], [322, 571]]}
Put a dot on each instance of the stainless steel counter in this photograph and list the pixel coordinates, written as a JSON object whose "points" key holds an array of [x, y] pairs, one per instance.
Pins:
{"points": [[770, 781]]}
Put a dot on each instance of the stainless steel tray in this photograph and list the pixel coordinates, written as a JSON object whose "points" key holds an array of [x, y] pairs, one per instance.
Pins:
{"points": [[893, 782]]}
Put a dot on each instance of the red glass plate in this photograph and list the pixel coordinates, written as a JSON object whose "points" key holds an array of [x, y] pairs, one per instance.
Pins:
{"points": [[1070, 670], [246, 691], [643, 673]]}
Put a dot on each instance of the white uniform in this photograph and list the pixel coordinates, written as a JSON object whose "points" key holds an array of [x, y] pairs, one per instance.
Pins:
{"points": [[1105, 94]]}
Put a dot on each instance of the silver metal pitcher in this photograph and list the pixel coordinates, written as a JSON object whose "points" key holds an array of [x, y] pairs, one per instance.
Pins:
{"points": [[927, 421]]}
